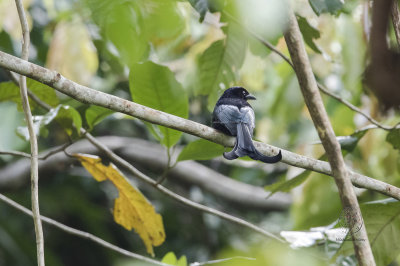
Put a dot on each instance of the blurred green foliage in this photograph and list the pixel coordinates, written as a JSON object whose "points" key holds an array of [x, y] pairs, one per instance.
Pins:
{"points": [[178, 56]]}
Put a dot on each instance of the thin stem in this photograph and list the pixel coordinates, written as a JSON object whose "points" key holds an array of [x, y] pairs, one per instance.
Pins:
{"points": [[320, 86], [118, 160], [32, 138], [313, 100], [80, 233], [88, 95]]}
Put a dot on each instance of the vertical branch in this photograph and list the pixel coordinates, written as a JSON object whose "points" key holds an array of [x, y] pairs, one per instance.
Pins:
{"points": [[321, 121], [396, 20], [32, 137]]}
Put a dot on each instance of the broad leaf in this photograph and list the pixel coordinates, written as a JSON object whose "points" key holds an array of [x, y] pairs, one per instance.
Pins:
{"points": [[123, 29], [219, 64], [309, 33], [325, 6], [10, 92], [382, 221], [393, 137], [131, 208], [95, 114], [65, 115], [200, 149], [155, 86]]}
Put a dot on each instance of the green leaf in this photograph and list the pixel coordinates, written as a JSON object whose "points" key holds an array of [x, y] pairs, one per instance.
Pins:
{"points": [[309, 33], [318, 204], [200, 149], [169, 258], [382, 221], [65, 115], [155, 86], [325, 6], [393, 137], [162, 19], [95, 114], [349, 143], [123, 29], [10, 92], [287, 185], [201, 6], [219, 64]]}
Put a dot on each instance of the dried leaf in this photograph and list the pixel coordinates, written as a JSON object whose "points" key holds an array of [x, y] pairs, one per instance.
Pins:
{"points": [[131, 209]]}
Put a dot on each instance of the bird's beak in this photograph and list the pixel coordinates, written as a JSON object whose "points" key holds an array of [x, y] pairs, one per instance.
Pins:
{"points": [[250, 97]]}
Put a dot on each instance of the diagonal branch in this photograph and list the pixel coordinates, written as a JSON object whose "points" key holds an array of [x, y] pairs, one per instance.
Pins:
{"points": [[320, 86], [80, 233], [309, 89], [147, 154], [118, 160], [88, 95], [32, 138]]}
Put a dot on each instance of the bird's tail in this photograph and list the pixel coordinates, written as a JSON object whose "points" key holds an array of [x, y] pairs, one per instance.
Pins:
{"points": [[244, 146]]}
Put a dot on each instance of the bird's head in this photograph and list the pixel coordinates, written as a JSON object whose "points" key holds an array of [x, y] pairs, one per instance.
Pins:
{"points": [[238, 93]]}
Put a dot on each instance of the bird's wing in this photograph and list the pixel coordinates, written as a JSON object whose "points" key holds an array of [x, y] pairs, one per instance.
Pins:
{"points": [[230, 116]]}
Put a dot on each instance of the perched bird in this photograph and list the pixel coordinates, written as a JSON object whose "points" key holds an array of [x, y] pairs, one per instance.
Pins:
{"points": [[234, 116]]}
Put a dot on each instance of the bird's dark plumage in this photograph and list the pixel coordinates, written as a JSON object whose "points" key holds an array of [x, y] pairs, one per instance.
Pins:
{"points": [[234, 116]]}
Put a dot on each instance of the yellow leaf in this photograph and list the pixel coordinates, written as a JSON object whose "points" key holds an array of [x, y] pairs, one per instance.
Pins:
{"points": [[131, 209]]}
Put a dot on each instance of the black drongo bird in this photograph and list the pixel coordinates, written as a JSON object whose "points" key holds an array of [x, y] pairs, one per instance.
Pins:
{"points": [[234, 116]]}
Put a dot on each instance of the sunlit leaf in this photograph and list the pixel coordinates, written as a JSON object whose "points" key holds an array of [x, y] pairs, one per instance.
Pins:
{"points": [[65, 115], [200, 149], [155, 86], [219, 64], [309, 33], [171, 259], [325, 6], [382, 221], [162, 19], [95, 114], [131, 208], [123, 28], [78, 60]]}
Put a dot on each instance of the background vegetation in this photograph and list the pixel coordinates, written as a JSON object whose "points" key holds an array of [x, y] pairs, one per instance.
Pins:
{"points": [[178, 56]]}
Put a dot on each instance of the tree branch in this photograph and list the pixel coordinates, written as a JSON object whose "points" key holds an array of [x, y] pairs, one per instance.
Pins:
{"points": [[147, 154], [32, 138], [309, 89], [80, 233], [88, 95], [320, 86], [396, 20]]}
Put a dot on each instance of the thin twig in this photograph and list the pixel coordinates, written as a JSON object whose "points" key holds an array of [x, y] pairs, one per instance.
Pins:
{"points": [[43, 157], [396, 20], [220, 260], [118, 160], [168, 192], [88, 95], [313, 100], [79, 233], [32, 137], [320, 86]]}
